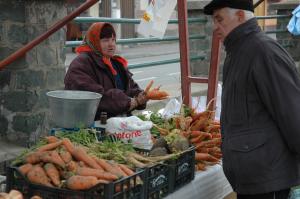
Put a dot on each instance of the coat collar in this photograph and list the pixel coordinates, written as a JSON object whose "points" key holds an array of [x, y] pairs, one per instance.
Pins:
{"points": [[240, 33]]}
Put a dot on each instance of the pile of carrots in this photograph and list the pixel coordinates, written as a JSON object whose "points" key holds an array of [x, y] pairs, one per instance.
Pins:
{"points": [[205, 135], [60, 163], [203, 132]]}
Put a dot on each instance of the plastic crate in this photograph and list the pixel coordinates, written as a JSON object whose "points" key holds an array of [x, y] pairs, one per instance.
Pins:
{"points": [[182, 169], [158, 181], [131, 187]]}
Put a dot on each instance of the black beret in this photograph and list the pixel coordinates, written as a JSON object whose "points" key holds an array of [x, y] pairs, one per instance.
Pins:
{"points": [[238, 4]]}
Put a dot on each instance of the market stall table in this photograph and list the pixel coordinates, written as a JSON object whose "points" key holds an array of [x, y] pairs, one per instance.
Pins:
{"points": [[209, 184]]}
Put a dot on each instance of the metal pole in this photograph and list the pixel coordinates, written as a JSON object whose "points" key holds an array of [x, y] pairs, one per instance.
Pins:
{"points": [[184, 51], [19, 53], [213, 70]]}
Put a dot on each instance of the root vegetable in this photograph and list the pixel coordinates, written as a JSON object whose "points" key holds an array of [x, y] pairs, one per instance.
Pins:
{"points": [[71, 166], [53, 157], [65, 155], [135, 162], [156, 94], [148, 87], [24, 169], [205, 157], [68, 144], [108, 167], [51, 139], [103, 175], [49, 147], [81, 182], [38, 175], [33, 157], [139, 157], [14, 194], [81, 155], [200, 166], [127, 170], [52, 173]]}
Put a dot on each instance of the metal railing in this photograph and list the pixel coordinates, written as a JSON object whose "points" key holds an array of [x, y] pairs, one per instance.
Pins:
{"points": [[143, 40], [165, 39]]}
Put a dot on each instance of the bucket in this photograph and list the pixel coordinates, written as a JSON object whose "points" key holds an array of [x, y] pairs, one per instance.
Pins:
{"points": [[73, 109]]}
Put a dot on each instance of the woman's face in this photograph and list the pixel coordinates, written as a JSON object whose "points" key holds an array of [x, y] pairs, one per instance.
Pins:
{"points": [[108, 46]]}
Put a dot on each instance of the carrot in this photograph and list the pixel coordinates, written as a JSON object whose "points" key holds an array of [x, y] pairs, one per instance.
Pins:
{"points": [[214, 150], [68, 144], [215, 122], [196, 133], [81, 182], [201, 137], [52, 173], [81, 155], [103, 175], [37, 175], [201, 166], [217, 155], [202, 150], [51, 139], [49, 147], [25, 168], [126, 169], [33, 157], [119, 170], [65, 155], [156, 94], [205, 157], [216, 135], [71, 166], [149, 86], [52, 157], [95, 159], [207, 144], [201, 122], [107, 167], [82, 164]]}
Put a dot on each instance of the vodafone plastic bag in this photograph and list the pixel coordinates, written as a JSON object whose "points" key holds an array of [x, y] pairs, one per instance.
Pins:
{"points": [[155, 19], [131, 130]]}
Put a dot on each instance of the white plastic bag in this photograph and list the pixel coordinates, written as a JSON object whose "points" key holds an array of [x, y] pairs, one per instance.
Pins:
{"points": [[155, 19], [131, 129], [172, 108]]}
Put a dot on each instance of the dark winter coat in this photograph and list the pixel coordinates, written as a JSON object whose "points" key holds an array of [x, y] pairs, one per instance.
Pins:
{"points": [[87, 72], [260, 113]]}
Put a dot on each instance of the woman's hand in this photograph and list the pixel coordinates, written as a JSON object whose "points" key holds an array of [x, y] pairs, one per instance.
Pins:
{"points": [[141, 98]]}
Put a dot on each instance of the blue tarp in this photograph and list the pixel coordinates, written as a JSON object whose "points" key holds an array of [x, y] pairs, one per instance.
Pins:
{"points": [[294, 24]]}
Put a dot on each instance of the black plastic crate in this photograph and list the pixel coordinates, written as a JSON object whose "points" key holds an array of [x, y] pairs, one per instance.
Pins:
{"points": [[158, 183], [131, 187], [183, 169]]}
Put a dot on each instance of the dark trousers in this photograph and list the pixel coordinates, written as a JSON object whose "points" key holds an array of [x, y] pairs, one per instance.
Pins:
{"points": [[283, 194]]}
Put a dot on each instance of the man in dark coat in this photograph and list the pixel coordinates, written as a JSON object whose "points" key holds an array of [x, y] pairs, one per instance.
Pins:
{"points": [[98, 69], [260, 117]]}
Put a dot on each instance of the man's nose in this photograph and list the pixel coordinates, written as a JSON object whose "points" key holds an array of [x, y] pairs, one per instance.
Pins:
{"points": [[215, 26]]}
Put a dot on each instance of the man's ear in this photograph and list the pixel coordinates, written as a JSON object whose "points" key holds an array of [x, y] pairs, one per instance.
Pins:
{"points": [[241, 15]]}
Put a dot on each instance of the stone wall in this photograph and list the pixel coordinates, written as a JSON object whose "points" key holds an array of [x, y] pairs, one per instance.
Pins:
{"points": [[201, 47], [24, 83]]}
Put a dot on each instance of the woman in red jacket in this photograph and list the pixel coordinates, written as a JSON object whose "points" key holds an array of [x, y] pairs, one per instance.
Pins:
{"points": [[98, 69]]}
